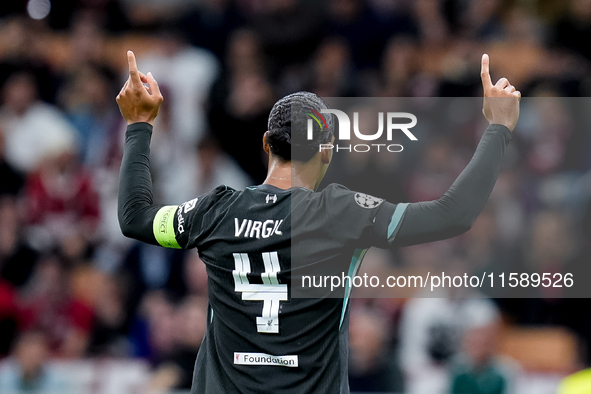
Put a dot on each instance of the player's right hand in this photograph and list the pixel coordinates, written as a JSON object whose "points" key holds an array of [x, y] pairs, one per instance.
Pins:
{"points": [[501, 100], [137, 102]]}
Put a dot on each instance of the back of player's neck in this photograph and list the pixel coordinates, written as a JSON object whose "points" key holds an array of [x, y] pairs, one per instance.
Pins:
{"points": [[285, 175]]}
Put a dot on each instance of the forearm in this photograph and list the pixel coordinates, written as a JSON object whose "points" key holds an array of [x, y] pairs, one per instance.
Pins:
{"points": [[136, 210], [455, 212]]}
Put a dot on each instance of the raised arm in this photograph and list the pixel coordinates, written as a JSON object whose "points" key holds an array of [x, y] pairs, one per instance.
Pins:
{"points": [[456, 211], [139, 107]]}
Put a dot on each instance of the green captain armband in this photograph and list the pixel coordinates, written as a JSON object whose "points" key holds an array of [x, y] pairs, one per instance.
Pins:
{"points": [[163, 227]]}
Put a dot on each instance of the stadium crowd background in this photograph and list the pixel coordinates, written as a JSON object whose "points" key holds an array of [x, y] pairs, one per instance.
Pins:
{"points": [[75, 293]]}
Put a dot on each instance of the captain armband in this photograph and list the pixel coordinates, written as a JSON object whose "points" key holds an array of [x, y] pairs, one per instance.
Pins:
{"points": [[163, 227]]}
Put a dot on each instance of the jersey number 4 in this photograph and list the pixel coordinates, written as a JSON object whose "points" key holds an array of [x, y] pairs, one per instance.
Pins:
{"points": [[270, 291]]}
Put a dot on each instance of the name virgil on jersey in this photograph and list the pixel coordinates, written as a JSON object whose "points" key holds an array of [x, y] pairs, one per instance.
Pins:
{"points": [[256, 228]]}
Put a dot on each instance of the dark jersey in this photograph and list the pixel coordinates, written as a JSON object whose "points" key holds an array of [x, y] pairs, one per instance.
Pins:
{"points": [[259, 338]]}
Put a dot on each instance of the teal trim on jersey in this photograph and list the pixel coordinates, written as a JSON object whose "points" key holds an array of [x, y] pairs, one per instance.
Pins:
{"points": [[358, 256], [396, 218]]}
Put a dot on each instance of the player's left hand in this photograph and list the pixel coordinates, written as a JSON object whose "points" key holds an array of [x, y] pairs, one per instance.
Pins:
{"points": [[139, 103], [501, 100]]}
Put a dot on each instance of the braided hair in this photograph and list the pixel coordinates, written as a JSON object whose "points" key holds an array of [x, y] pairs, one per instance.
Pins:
{"points": [[288, 122]]}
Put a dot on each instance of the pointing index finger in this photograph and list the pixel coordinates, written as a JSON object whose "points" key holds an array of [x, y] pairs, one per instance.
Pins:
{"points": [[485, 73], [134, 74]]}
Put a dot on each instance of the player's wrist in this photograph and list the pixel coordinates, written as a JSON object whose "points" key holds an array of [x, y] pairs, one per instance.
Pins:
{"points": [[137, 122], [499, 128], [503, 122], [137, 116], [139, 126], [140, 120]]}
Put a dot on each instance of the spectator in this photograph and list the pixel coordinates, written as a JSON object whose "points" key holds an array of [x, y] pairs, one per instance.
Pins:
{"points": [[25, 46], [28, 370], [331, 73], [433, 28], [210, 24], [362, 29], [176, 372], [481, 19], [87, 46], [109, 333], [240, 102], [574, 28], [157, 314], [182, 173], [547, 133], [61, 201], [8, 316], [187, 74], [438, 169], [145, 14], [215, 168], [88, 99], [33, 130], [372, 367], [399, 68], [12, 180], [147, 268], [48, 306], [17, 258], [479, 369], [430, 335], [108, 13], [289, 31]]}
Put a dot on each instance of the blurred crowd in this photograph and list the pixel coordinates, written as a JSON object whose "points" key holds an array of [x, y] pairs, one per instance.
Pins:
{"points": [[72, 287]]}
